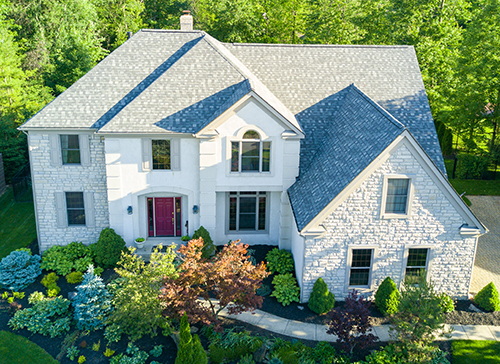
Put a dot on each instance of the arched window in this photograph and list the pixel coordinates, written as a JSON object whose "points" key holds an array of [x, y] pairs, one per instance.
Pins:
{"points": [[250, 154]]}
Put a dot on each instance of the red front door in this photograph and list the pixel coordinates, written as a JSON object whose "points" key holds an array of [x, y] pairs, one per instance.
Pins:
{"points": [[164, 216]]}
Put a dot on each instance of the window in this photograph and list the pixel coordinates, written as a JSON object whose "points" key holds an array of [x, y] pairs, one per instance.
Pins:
{"points": [[250, 154], [70, 147], [361, 262], [247, 211], [75, 208], [161, 154], [397, 197], [416, 263]]}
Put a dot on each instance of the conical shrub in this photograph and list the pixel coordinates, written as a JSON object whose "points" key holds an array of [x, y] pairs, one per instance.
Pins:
{"points": [[185, 350], [487, 298], [387, 297], [321, 300], [199, 354]]}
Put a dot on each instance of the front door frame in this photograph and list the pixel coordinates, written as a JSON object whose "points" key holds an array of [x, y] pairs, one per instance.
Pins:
{"points": [[151, 216]]}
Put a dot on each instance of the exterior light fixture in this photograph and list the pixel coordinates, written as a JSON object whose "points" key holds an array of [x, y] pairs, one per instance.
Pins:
{"points": [[195, 209], [129, 210]]}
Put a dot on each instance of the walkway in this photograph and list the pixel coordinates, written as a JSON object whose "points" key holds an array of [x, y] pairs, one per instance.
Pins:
{"points": [[306, 331], [487, 263]]}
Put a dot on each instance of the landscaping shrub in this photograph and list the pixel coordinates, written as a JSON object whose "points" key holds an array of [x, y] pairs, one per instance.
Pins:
{"points": [[35, 297], [92, 302], [18, 270], [230, 345], [471, 166], [185, 348], [279, 261], [138, 310], [208, 245], [75, 277], [323, 353], [47, 317], [63, 259], [286, 289], [321, 299], [387, 297], [351, 324], [108, 248], [487, 298], [199, 354], [53, 290], [50, 279], [446, 303]]}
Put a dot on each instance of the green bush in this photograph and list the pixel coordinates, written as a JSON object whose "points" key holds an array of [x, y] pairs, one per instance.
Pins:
{"points": [[74, 277], [50, 279], [185, 347], [321, 299], [108, 248], [199, 354], [208, 244], [446, 303], [279, 261], [387, 297], [64, 259], [487, 298], [471, 166], [230, 345], [53, 290], [286, 289]]}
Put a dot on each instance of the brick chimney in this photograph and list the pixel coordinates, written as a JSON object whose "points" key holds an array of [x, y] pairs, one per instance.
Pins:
{"points": [[186, 20]]}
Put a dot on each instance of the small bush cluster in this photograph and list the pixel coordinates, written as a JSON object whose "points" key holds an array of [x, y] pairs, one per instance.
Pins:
{"points": [[108, 248], [49, 317], [387, 297], [50, 282], [190, 349], [446, 303], [279, 261], [286, 289], [64, 259], [321, 299], [487, 298], [19, 269], [471, 166], [231, 345], [131, 356], [208, 245], [75, 277]]}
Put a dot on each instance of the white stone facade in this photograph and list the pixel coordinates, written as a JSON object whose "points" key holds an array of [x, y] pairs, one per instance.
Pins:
{"points": [[433, 223], [48, 180]]}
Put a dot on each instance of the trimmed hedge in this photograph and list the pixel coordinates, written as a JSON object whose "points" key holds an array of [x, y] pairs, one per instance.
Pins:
{"points": [[487, 298], [321, 299], [387, 297]]}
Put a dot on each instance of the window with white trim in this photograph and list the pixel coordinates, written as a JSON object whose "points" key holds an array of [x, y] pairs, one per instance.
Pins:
{"points": [[247, 211], [416, 263], [397, 197], [360, 268], [250, 154]]}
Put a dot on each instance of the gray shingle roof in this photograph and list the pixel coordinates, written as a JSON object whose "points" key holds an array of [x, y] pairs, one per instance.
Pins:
{"points": [[352, 138]]}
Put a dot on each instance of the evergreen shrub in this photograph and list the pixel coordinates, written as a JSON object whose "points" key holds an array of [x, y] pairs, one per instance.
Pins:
{"points": [[50, 279], [75, 277], [321, 299], [279, 261], [286, 289], [387, 297], [487, 298], [108, 248], [185, 348], [208, 245], [18, 270], [471, 166]]}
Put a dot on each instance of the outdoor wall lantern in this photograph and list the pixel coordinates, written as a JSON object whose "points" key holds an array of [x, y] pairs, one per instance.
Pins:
{"points": [[129, 210], [195, 209]]}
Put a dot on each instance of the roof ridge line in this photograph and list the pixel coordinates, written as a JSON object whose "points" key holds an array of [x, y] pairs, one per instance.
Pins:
{"points": [[319, 45]]}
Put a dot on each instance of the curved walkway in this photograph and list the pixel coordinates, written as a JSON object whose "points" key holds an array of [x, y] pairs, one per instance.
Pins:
{"points": [[307, 331]]}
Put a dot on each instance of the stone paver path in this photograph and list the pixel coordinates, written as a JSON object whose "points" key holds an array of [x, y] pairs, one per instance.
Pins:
{"points": [[487, 263], [307, 331]]}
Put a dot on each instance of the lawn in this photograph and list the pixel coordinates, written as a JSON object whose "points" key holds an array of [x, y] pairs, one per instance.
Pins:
{"points": [[472, 186], [475, 351], [15, 349], [17, 223]]}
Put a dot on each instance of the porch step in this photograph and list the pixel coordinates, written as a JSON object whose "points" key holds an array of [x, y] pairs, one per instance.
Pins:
{"points": [[151, 243]]}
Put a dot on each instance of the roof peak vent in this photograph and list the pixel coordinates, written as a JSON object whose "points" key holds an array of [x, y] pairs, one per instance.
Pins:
{"points": [[186, 20]]}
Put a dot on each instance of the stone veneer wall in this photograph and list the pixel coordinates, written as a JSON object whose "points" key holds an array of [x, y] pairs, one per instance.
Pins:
{"points": [[47, 180], [433, 222], [3, 186]]}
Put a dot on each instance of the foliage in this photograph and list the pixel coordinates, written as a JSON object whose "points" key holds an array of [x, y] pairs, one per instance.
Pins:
{"points": [[231, 345], [72, 352], [136, 356], [387, 297], [419, 319], [108, 352], [156, 351], [286, 289], [351, 324], [15, 295], [321, 299], [50, 279], [324, 353], [81, 359], [475, 352], [53, 290], [389, 354], [92, 302], [471, 166], [228, 277], [35, 297], [47, 317], [199, 354], [279, 261], [64, 259], [185, 349], [18, 270], [446, 303], [487, 298], [246, 359], [208, 245], [138, 310], [185, 238], [17, 349], [74, 277], [108, 248]]}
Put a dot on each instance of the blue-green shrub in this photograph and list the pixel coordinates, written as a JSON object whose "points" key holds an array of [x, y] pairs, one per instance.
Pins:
{"points": [[49, 317], [18, 270], [92, 302]]}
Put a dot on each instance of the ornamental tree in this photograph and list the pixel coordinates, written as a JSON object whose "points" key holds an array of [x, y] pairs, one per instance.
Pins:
{"points": [[229, 277]]}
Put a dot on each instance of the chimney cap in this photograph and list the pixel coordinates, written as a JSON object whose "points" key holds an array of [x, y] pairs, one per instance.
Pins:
{"points": [[186, 20]]}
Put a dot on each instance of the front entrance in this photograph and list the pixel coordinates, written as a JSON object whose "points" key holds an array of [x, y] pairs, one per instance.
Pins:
{"points": [[164, 216]]}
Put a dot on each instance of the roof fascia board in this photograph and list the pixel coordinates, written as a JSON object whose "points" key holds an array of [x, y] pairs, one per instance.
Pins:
{"points": [[135, 134], [221, 119], [52, 129], [409, 141]]}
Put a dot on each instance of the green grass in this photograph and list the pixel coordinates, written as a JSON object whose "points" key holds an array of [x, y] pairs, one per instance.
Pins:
{"points": [[17, 224], [475, 352], [472, 186], [15, 349]]}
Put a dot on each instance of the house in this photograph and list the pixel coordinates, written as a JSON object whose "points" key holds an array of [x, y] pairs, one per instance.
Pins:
{"points": [[327, 151]]}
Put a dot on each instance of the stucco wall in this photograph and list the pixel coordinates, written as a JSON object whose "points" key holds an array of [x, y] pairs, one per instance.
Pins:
{"points": [[356, 222], [47, 180]]}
